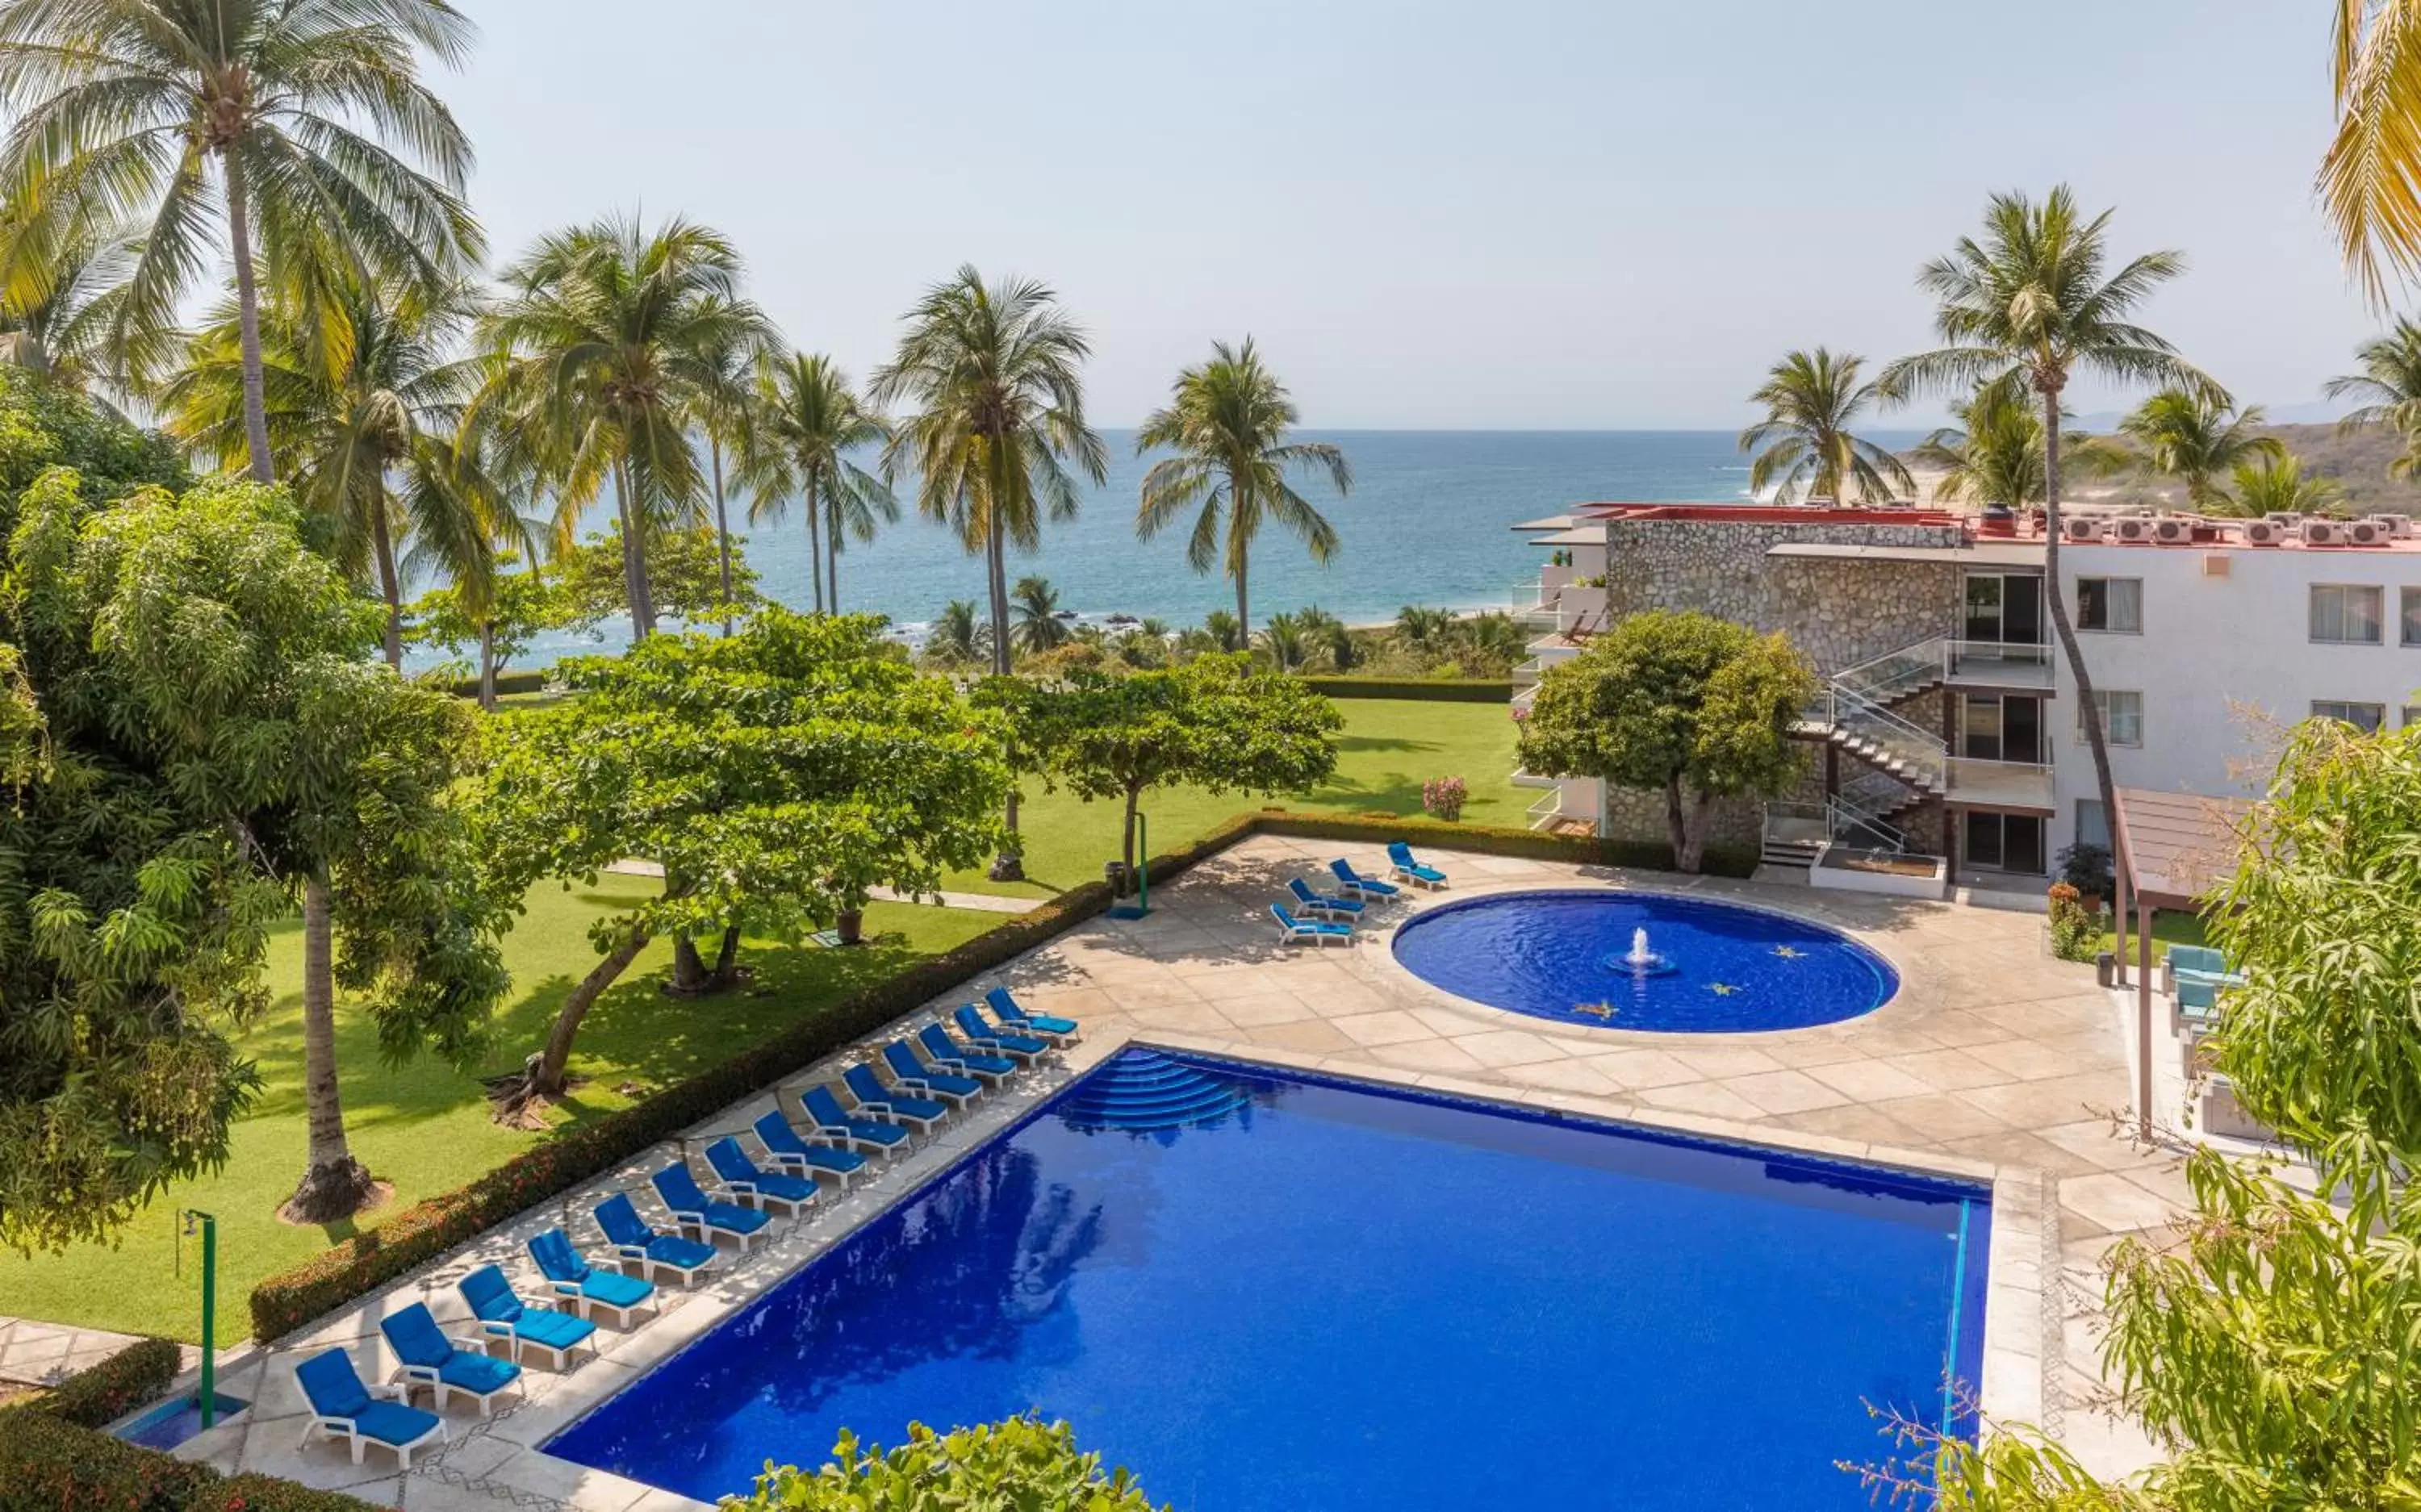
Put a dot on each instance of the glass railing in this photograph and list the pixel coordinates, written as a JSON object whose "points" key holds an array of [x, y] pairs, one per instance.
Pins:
{"points": [[2005, 662], [1892, 674], [1918, 751]]}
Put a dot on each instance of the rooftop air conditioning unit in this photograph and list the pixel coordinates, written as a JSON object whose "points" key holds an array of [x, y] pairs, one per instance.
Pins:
{"points": [[2368, 533], [2283, 517], [2135, 529], [2173, 530], [2323, 533], [2082, 528], [2264, 533], [2398, 527]]}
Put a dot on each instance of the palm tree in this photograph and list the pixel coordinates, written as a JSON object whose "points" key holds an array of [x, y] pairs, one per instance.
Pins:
{"points": [[721, 399], [2028, 307], [56, 317], [1326, 632], [1283, 638], [1811, 399], [2279, 485], [171, 111], [807, 422], [2195, 436], [957, 637], [1422, 628], [1039, 628], [2369, 181], [2389, 386], [361, 392], [1994, 455], [993, 375], [1224, 632], [598, 343], [1226, 420]]}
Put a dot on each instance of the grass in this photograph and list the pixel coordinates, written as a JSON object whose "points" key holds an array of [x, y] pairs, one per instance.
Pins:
{"points": [[2170, 927], [1387, 749], [425, 1127]]}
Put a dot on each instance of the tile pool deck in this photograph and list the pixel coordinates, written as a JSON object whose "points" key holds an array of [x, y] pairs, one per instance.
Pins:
{"points": [[1994, 1062]]}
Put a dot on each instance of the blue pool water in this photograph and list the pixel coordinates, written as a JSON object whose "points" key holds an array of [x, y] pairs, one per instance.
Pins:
{"points": [[1265, 1294], [1561, 956]]}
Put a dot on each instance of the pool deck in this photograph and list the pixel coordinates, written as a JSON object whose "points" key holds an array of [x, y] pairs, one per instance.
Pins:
{"points": [[1994, 1062]]}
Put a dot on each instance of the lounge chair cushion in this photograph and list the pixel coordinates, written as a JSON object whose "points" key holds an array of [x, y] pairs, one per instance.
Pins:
{"points": [[556, 1331], [480, 1373], [390, 1423], [871, 1092], [491, 1295], [904, 1064], [1008, 1010], [975, 1028], [334, 1387], [939, 1045], [556, 1259], [783, 1140], [685, 1253], [416, 1339], [615, 1289], [831, 1115]]}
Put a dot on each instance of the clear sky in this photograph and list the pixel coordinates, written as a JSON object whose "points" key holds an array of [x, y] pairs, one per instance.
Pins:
{"points": [[1549, 213]]}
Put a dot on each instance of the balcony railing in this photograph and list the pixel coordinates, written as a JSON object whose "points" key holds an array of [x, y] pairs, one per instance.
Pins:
{"points": [[2002, 664], [1981, 783], [1551, 809]]}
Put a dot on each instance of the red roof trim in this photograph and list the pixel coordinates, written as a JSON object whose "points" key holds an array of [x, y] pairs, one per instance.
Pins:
{"points": [[1758, 514]]}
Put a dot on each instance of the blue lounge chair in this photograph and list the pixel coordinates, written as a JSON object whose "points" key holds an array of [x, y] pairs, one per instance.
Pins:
{"points": [[785, 1149], [1318, 931], [2202, 963], [908, 1071], [1343, 909], [694, 1210], [636, 1243], [343, 1408], [1400, 857], [1004, 1008], [742, 1179], [426, 1357], [833, 1121], [870, 1093], [948, 1052], [1026, 1047], [503, 1315], [1353, 884], [574, 1281]]}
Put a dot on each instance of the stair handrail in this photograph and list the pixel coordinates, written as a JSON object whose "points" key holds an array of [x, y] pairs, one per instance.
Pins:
{"points": [[1844, 823], [1914, 664], [1876, 793], [1920, 748]]}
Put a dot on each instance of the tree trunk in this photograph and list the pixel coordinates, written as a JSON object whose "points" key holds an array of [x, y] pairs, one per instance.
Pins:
{"points": [[2095, 739], [1008, 867], [635, 559], [333, 1184], [248, 303], [383, 546], [722, 528], [1677, 826], [815, 545], [727, 960], [1243, 610], [689, 976], [488, 665], [832, 558], [544, 1077]]}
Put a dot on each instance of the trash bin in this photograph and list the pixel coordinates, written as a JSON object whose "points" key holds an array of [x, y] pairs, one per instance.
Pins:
{"points": [[2105, 968], [1121, 881]]}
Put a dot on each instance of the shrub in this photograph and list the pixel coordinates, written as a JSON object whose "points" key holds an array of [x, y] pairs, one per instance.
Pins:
{"points": [[135, 1375], [48, 1464], [1444, 797], [2076, 929], [1023, 1462], [1495, 840], [1443, 690]]}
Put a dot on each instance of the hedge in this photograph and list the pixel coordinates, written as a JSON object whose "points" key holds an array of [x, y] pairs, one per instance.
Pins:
{"points": [[1443, 690], [48, 1464], [426, 1230], [507, 682], [96, 1397]]}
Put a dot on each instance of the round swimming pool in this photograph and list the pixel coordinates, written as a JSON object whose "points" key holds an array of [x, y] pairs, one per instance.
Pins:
{"points": [[1701, 967]]}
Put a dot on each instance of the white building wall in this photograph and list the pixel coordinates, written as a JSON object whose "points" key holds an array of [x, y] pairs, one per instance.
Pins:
{"points": [[2224, 661]]}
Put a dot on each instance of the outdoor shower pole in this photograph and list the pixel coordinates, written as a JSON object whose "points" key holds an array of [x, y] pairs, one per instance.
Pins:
{"points": [[210, 1398]]}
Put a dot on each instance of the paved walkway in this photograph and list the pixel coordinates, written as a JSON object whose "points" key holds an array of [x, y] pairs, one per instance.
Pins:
{"points": [[1995, 1061], [45, 1354]]}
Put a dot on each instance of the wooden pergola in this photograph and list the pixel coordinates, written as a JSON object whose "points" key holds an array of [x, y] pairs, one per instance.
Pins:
{"points": [[2171, 849]]}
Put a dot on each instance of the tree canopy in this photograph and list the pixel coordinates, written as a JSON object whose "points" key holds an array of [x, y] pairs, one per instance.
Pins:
{"points": [[1695, 707], [684, 567], [1023, 1463]]}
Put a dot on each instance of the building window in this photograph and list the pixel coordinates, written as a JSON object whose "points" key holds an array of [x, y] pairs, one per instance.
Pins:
{"points": [[2367, 718], [2411, 715], [2411, 617], [2346, 614], [2115, 605], [2122, 716]]}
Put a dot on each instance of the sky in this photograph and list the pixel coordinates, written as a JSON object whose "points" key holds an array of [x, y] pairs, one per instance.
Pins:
{"points": [[1528, 214]]}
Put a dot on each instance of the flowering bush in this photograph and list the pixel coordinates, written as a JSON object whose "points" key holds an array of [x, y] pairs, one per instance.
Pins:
{"points": [[2075, 927], [1444, 797]]}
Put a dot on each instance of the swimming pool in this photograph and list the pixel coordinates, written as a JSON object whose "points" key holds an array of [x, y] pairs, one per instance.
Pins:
{"points": [[1566, 954], [1263, 1292]]}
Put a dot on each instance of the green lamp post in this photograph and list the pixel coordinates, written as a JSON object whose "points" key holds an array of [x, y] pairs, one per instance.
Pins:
{"points": [[209, 1230]]}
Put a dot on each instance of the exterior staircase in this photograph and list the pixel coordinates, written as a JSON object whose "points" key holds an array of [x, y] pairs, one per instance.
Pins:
{"points": [[1906, 764]]}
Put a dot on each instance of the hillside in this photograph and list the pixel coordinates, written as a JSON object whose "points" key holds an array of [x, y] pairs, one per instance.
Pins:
{"points": [[2356, 459]]}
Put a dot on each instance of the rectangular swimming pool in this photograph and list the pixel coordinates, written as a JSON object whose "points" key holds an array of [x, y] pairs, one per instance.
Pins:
{"points": [[1263, 1292]]}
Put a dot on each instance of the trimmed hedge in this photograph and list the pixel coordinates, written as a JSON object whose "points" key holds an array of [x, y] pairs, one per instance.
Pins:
{"points": [[1443, 690], [426, 1230], [532, 681], [96, 1397], [48, 1464]]}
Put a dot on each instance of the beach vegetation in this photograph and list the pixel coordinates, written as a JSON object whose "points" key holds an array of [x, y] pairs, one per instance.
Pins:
{"points": [[2279, 485], [1039, 629], [496, 623], [1805, 445], [2389, 390], [806, 433]]}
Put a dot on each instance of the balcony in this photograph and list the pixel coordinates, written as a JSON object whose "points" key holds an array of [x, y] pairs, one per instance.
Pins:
{"points": [[1531, 779], [1996, 665], [1976, 783]]}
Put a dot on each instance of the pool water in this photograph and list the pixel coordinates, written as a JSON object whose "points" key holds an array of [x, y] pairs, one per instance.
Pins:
{"points": [[1725, 968], [1262, 1293]]}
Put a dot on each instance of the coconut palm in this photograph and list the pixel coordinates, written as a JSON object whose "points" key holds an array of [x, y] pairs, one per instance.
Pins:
{"points": [[1223, 630], [276, 115], [57, 317], [2278, 485], [2369, 181], [1328, 633], [1811, 399], [597, 342], [1283, 638], [2028, 307], [361, 393], [1993, 456], [994, 374], [1226, 421], [1421, 629], [2389, 387], [958, 636], [720, 396], [1038, 628], [2196, 437], [806, 425]]}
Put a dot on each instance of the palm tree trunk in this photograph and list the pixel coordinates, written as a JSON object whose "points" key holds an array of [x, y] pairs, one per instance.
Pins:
{"points": [[1243, 610], [333, 1184], [488, 665], [831, 559], [722, 528], [383, 546], [635, 559], [248, 303], [2095, 738], [1010, 865], [815, 545]]}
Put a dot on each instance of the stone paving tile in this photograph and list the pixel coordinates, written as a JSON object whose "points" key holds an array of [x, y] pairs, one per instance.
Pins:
{"points": [[1501, 1048], [1948, 1070], [2115, 1203], [1316, 1035], [1710, 1098], [1639, 1069], [1259, 1009], [1786, 1091], [1871, 1080], [1392, 1026]]}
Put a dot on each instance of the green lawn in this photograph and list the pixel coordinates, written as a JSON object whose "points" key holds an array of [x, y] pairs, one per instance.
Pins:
{"points": [[1388, 748], [426, 1129], [2170, 927]]}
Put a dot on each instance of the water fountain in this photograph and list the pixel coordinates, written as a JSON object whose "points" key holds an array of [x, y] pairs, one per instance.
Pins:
{"points": [[1642, 962]]}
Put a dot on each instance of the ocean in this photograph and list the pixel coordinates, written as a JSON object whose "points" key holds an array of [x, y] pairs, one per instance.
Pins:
{"points": [[1426, 523]]}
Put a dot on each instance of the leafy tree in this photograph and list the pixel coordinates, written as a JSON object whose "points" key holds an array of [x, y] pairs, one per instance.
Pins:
{"points": [[684, 573], [778, 776], [1212, 722], [125, 107], [1021, 1464], [1226, 421], [2026, 308], [2196, 437], [1811, 400], [806, 424], [1695, 707], [1039, 629], [2389, 387], [2279, 485], [1994, 455], [519, 607]]}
